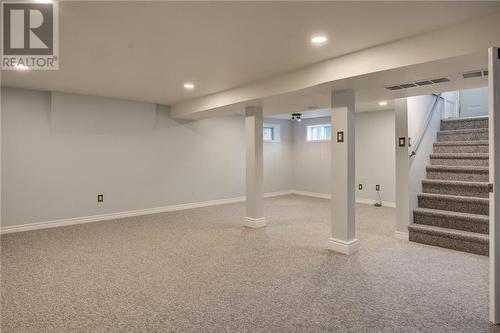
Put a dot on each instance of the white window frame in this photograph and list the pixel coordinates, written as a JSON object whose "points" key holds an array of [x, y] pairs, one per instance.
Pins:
{"points": [[318, 125], [276, 132]]}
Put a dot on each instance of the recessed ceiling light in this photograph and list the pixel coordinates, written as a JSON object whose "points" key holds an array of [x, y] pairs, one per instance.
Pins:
{"points": [[22, 67], [382, 103], [189, 86], [319, 39], [44, 1]]}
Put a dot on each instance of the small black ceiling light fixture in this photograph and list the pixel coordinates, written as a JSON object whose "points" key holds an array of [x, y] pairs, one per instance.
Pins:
{"points": [[297, 117]]}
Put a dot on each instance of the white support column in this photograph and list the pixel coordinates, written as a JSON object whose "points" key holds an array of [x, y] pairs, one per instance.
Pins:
{"points": [[494, 136], [0, 158], [403, 216], [254, 168], [343, 238]]}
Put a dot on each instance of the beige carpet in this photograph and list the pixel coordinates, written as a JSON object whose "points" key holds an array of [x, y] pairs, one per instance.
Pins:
{"points": [[200, 271]]}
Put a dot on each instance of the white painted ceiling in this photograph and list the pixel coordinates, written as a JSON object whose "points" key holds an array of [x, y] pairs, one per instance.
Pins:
{"points": [[307, 114], [146, 50], [365, 106]]}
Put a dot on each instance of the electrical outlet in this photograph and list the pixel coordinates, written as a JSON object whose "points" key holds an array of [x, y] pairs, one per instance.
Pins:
{"points": [[100, 197], [377, 187], [360, 187]]}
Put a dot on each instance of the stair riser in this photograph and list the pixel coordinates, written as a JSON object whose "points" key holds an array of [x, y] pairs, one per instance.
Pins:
{"points": [[461, 149], [464, 124], [465, 191], [483, 135], [463, 176], [443, 220], [460, 161], [451, 223], [454, 206], [449, 243]]}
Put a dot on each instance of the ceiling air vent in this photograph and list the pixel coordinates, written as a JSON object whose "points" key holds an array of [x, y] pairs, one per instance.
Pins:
{"points": [[474, 74], [440, 80], [408, 85], [394, 88], [470, 75], [420, 83], [423, 83]]}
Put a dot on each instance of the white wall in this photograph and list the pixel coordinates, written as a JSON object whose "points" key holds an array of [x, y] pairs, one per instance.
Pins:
{"points": [[53, 168], [55, 172], [311, 160], [418, 109], [278, 158], [375, 157], [474, 102]]}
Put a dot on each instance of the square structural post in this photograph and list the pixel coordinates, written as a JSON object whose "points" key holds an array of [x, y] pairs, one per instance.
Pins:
{"points": [[254, 168], [494, 152], [403, 215], [343, 238]]}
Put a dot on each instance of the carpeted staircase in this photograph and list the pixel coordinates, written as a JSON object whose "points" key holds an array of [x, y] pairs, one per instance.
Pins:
{"points": [[454, 206]]}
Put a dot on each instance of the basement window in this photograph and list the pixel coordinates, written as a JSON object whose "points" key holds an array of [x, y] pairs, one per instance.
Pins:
{"points": [[321, 132], [271, 132]]}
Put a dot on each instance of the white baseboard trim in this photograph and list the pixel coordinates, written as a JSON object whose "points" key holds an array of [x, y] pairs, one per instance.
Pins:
{"points": [[119, 215], [328, 196], [373, 202], [401, 235], [255, 223], [312, 194], [156, 210], [344, 247], [275, 194]]}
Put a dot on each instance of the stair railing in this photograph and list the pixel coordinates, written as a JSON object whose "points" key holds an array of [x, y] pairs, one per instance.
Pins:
{"points": [[424, 126]]}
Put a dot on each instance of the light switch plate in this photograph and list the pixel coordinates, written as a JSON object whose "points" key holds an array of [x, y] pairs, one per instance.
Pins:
{"points": [[340, 136], [402, 141]]}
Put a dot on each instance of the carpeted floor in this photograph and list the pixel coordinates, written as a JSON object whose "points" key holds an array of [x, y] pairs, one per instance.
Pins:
{"points": [[200, 271]]}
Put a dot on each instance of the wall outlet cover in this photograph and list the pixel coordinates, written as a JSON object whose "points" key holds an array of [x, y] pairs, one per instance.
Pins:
{"points": [[100, 197]]}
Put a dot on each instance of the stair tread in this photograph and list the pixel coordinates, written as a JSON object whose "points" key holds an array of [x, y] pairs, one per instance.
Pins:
{"points": [[450, 120], [462, 143], [453, 197], [464, 130], [454, 205], [450, 233], [448, 213], [458, 168], [484, 156], [454, 182]]}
